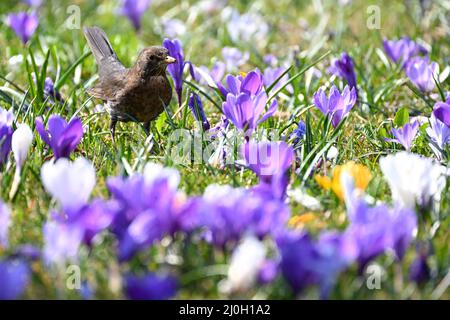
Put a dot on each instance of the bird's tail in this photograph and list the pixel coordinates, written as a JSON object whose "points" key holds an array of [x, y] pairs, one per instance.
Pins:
{"points": [[99, 43]]}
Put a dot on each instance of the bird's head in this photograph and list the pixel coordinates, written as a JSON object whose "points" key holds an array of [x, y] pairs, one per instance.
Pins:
{"points": [[154, 60]]}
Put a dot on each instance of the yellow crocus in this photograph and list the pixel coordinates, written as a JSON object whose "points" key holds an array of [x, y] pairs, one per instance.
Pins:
{"points": [[360, 173]]}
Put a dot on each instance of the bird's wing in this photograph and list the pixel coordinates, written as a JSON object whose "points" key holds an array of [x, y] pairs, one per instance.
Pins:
{"points": [[110, 85]]}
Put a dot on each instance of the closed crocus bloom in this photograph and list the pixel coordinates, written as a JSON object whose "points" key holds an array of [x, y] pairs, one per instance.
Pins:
{"points": [[413, 179], [196, 107], [423, 73], [150, 287], [405, 135], [23, 24], [442, 112], [6, 132], [439, 134], [344, 68], [14, 278], [21, 143], [134, 10], [70, 183], [61, 136], [246, 262]]}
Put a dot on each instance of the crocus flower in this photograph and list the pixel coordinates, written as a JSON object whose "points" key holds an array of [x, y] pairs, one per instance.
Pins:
{"points": [[305, 261], [173, 28], [360, 173], [150, 287], [6, 132], [21, 143], [272, 74], [423, 73], [62, 242], [33, 3], [402, 50], [61, 136], [246, 101], [51, 92], [246, 262], [133, 10], [176, 69], [70, 183], [196, 106], [234, 58], [442, 112], [439, 134], [152, 207], [230, 213], [270, 161], [413, 179], [5, 222], [268, 272], [344, 68], [419, 271], [405, 135], [23, 24], [336, 106], [299, 133], [14, 278]]}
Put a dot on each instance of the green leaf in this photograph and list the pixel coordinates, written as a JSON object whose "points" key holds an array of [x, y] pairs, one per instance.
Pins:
{"points": [[401, 117]]}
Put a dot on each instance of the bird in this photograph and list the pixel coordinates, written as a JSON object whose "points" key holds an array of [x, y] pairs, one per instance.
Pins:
{"points": [[139, 93]]}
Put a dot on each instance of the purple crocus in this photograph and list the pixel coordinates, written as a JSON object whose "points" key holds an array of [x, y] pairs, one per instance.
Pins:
{"points": [[234, 58], [51, 92], [150, 287], [14, 278], [6, 132], [439, 134], [196, 106], [299, 133], [33, 3], [405, 135], [23, 24], [336, 106], [61, 242], [176, 69], [402, 50], [306, 262], [344, 68], [419, 271], [61, 136], [229, 213], [377, 229], [133, 10], [442, 112], [423, 73], [272, 74], [151, 208], [246, 101]]}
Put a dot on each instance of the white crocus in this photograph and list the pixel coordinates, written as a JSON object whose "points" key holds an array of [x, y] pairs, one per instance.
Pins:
{"points": [[245, 264], [20, 145], [69, 183], [413, 179]]}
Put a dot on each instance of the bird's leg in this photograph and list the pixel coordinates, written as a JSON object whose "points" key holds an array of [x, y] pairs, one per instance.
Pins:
{"points": [[112, 129], [147, 128]]}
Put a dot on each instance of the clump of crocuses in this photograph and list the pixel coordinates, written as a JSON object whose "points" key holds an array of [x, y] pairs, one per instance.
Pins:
{"points": [[62, 136], [405, 135]]}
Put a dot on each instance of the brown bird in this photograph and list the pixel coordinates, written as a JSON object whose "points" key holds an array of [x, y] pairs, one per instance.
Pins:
{"points": [[137, 94]]}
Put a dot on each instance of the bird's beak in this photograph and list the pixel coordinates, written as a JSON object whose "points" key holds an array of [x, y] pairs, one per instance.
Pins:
{"points": [[170, 60]]}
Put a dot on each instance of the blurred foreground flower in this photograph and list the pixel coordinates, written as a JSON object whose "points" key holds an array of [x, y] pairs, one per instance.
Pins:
{"points": [[14, 278], [336, 106], [150, 287], [360, 173], [413, 179], [61, 136], [133, 10], [23, 24], [422, 73], [70, 183], [270, 161], [405, 135]]}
